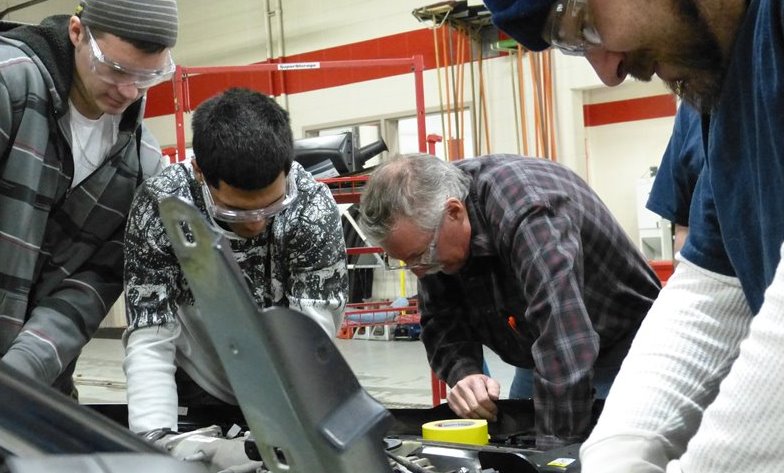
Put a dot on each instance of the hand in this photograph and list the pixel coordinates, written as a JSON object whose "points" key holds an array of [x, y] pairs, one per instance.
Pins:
{"points": [[185, 446], [207, 445], [230, 457], [472, 397]]}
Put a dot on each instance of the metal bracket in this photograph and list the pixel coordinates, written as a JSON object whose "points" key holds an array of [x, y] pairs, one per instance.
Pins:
{"points": [[300, 398]]}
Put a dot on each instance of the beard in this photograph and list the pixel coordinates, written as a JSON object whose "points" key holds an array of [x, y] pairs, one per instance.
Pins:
{"points": [[694, 52], [701, 92]]}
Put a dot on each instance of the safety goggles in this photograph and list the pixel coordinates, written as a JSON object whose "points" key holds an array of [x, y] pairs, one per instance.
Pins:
{"points": [[117, 74], [225, 214], [426, 262], [570, 28]]}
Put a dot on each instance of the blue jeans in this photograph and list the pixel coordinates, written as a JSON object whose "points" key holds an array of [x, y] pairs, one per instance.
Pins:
{"points": [[523, 383]]}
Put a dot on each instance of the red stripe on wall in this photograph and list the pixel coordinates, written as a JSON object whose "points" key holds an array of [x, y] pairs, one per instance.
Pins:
{"points": [[657, 106], [402, 45]]}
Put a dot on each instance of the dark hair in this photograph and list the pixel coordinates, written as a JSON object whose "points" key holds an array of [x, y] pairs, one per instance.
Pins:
{"points": [[243, 138], [143, 46]]}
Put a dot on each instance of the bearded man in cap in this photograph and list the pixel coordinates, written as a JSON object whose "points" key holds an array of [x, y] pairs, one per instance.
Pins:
{"points": [[700, 390], [73, 150]]}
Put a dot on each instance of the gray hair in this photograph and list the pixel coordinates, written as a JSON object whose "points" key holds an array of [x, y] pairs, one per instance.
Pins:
{"points": [[414, 186]]}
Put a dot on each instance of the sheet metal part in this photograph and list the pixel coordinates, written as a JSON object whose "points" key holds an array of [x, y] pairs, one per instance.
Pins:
{"points": [[300, 398]]}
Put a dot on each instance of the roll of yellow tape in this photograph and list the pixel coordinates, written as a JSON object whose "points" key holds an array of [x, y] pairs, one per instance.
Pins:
{"points": [[470, 431]]}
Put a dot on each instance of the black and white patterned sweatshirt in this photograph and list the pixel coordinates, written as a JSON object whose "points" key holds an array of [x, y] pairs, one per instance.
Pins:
{"points": [[298, 262]]}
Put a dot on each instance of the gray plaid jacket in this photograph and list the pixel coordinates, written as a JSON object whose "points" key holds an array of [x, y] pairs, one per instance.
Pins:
{"points": [[553, 284], [61, 250]]}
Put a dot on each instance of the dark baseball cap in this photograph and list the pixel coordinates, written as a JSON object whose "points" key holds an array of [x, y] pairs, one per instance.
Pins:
{"points": [[523, 20]]}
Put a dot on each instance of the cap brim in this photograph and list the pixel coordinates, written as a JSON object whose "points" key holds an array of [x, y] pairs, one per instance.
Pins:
{"points": [[526, 30]]}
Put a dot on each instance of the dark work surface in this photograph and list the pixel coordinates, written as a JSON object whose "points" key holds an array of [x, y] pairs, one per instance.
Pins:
{"points": [[515, 425]]}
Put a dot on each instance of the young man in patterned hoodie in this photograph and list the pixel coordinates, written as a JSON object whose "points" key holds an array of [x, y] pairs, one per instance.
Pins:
{"points": [[73, 150], [285, 232]]}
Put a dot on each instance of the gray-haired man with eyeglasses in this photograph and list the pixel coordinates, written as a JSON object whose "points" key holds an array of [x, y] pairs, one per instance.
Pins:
{"points": [[73, 150], [519, 255]]}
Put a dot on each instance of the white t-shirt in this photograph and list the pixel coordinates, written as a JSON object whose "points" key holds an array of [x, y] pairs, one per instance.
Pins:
{"points": [[91, 141]]}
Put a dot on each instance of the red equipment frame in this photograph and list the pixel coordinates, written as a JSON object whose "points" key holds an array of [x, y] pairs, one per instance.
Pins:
{"points": [[182, 100], [346, 189], [406, 315]]}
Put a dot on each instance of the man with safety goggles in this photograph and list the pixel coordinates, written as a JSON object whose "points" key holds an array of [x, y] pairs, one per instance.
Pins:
{"points": [[73, 151], [246, 223], [690, 396], [284, 229]]}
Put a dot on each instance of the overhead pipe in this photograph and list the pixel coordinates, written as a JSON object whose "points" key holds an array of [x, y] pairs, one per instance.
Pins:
{"points": [[268, 29], [282, 53], [269, 12], [445, 51], [268, 43], [440, 87], [21, 6], [474, 127], [550, 107]]}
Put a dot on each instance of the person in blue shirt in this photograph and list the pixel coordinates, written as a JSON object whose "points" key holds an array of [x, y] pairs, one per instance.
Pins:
{"points": [[676, 178], [689, 397]]}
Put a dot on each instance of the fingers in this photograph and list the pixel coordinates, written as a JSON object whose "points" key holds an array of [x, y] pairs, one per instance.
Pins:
{"points": [[493, 389], [250, 467], [472, 397]]}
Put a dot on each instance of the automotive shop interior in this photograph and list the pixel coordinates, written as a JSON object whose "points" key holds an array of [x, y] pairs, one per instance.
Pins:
{"points": [[470, 236]]}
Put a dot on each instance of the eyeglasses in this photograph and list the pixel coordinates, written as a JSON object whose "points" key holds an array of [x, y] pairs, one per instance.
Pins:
{"points": [[226, 214], [117, 74], [570, 28], [427, 261]]}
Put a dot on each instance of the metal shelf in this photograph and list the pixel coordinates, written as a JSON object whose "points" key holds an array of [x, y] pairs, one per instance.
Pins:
{"points": [[346, 190]]}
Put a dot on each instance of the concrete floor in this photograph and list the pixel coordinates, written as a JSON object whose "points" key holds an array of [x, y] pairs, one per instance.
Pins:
{"points": [[394, 372]]}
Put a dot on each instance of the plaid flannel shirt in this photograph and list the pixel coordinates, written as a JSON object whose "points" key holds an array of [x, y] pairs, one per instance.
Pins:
{"points": [[552, 283]]}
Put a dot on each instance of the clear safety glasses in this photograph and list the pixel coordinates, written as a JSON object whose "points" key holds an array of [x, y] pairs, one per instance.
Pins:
{"points": [[427, 261], [117, 74], [229, 215], [570, 28]]}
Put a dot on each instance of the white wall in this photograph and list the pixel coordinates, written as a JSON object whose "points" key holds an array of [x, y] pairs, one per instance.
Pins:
{"points": [[610, 157], [222, 32], [33, 14], [618, 155]]}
